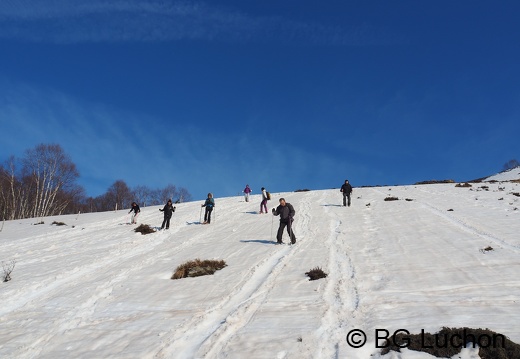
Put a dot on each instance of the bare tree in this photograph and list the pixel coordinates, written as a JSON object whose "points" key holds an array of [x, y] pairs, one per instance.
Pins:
{"points": [[511, 164], [42, 183], [14, 191], [50, 171], [119, 194], [71, 200], [184, 195], [168, 192], [142, 195]]}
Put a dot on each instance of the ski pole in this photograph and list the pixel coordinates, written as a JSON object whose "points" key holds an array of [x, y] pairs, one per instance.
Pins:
{"points": [[200, 216], [291, 234], [272, 225]]}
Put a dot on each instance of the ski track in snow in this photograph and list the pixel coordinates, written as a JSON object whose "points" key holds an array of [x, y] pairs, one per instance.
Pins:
{"points": [[77, 315], [341, 294], [123, 256], [470, 229], [186, 340], [466, 226], [208, 333], [121, 253], [463, 224]]}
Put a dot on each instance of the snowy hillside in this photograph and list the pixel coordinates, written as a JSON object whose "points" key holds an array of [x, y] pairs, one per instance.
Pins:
{"points": [[510, 175], [438, 256]]}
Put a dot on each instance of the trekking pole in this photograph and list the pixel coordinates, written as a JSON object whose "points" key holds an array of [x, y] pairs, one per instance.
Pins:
{"points": [[291, 234], [272, 224]]}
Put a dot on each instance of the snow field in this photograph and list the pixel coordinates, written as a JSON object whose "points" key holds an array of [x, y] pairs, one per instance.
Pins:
{"points": [[94, 288]]}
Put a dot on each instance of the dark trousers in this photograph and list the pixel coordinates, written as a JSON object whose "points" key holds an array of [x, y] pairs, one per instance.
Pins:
{"points": [[345, 196], [207, 214], [166, 222], [289, 230], [263, 206]]}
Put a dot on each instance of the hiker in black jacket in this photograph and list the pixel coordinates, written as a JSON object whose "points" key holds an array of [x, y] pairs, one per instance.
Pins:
{"points": [[286, 212], [347, 190], [168, 211], [135, 208]]}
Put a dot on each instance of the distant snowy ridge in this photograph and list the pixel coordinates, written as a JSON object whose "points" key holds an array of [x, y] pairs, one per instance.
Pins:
{"points": [[512, 174]]}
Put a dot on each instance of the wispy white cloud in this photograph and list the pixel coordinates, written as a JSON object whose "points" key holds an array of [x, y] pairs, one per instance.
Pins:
{"points": [[73, 21], [108, 144]]}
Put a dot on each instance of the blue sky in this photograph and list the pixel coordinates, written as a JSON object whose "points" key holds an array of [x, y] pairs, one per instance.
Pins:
{"points": [[282, 94]]}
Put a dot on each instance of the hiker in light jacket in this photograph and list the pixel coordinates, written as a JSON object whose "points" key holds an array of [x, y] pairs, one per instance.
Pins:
{"points": [[263, 204], [286, 212]]}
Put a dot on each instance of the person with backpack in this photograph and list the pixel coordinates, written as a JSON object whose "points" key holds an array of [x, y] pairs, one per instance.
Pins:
{"points": [[263, 204], [209, 204], [347, 190], [168, 211], [286, 212], [135, 208], [247, 191]]}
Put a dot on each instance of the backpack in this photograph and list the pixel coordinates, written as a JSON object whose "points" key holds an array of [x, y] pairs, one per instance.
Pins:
{"points": [[268, 195]]}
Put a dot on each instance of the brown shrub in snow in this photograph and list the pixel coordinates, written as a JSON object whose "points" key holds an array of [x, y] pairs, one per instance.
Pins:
{"points": [[197, 268], [449, 341], [144, 229], [316, 273]]}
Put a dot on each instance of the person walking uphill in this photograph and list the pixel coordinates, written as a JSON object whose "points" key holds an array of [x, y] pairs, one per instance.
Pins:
{"points": [[168, 211], [347, 190], [263, 204], [286, 212], [247, 191], [209, 204], [135, 208]]}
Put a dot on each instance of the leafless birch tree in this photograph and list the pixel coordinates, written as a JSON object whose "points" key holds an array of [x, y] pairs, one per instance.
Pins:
{"points": [[49, 171]]}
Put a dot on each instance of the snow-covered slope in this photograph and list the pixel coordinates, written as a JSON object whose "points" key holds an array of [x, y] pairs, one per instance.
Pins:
{"points": [[96, 289], [510, 175]]}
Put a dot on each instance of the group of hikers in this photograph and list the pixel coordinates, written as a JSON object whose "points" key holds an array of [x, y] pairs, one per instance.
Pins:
{"points": [[285, 210]]}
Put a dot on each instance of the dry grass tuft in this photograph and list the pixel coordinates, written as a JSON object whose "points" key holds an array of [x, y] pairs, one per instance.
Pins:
{"points": [[144, 229], [197, 268], [316, 273]]}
